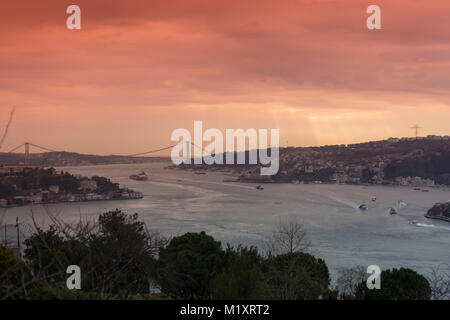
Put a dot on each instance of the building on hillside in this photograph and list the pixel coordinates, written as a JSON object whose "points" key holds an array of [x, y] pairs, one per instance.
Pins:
{"points": [[13, 169]]}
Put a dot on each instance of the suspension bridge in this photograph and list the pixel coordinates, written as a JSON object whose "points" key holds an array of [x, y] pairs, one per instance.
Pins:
{"points": [[27, 145]]}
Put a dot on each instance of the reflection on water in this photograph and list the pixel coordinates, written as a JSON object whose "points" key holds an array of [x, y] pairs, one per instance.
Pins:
{"points": [[177, 201]]}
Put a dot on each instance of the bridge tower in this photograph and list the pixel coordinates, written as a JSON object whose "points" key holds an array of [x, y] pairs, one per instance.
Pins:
{"points": [[188, 152], [27, 152]]}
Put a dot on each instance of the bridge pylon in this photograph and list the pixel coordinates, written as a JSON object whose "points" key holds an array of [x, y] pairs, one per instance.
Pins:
{"points": [[27, 152]]}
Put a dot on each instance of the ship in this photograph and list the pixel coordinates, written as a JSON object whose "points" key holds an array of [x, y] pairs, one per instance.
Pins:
{"points": [[140, 176], [392, 211], [363, 207]]}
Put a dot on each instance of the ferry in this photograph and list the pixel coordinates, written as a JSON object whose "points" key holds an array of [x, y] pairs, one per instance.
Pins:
{"points": [[363, 207], [140, 176]]}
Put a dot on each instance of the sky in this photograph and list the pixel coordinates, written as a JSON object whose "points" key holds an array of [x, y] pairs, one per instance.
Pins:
{"points": [[139, 69]]}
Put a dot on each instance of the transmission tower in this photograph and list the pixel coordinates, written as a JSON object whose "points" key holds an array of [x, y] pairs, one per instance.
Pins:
{"points": [[416, 130]]}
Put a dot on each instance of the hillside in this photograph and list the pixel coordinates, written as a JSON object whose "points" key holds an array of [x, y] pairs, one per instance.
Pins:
{"points": [[407, 161], [61, 159]]}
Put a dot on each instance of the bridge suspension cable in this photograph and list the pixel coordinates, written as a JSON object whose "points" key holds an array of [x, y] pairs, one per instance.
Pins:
{"points": [[27, 144], [31, 144], [151, 151], [161, 149], [16, 148], [43, 148], [27, 149], [201, 148]]}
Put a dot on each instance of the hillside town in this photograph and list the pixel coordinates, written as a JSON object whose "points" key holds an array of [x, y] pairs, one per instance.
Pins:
{"points": [[416, 162], [22, 184]]}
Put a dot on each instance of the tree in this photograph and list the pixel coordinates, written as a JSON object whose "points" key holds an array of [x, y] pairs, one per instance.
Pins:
{"points": [[288, 236], [296, 276], [188, 265], [49, 253], [15, 277], [121, 255], [116, 254], [440, 283], [242, 277], [349, 279], [397, 284]]}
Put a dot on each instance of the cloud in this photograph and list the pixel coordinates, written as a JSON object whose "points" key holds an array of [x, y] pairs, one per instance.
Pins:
{"points": [[285, 55]]}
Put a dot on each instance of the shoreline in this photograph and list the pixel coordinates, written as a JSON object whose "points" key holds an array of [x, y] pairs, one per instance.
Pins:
{"points": [[437, 218], [66, 201]]}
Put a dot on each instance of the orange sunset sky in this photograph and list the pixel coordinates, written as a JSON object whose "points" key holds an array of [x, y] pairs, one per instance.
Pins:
{"points": [[139, 69]]}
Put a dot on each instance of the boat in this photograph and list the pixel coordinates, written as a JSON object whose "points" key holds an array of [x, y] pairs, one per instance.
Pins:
{"points": [[414, 222], [363, 207], [401, 203], [140, 176], [259, 187], [392, 211]]}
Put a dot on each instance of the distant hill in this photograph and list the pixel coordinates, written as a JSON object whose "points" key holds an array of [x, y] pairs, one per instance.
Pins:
{"points": [[393, 161], [64, 159]]}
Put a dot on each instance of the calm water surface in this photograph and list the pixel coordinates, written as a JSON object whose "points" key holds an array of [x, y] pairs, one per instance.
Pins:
{"points": [[178, 201]]}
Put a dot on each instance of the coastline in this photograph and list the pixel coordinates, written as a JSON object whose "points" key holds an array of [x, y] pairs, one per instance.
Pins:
{"points": [[437, 217], [71, 201]]}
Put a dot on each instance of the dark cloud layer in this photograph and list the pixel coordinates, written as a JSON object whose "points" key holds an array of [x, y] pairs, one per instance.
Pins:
{"points": [[177, 54]]}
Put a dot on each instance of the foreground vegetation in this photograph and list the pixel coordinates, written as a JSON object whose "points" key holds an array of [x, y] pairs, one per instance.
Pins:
{"points": [[120, 258]]}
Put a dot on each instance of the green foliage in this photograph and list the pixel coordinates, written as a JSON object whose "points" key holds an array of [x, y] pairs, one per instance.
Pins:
{"points": [[49, 253], [15, 277], [397, 284], [48, 291], [188, 265], [105, 185], [440, 210], [319, 175], [296, 276], [65, 181], [242, 277], [51, 291], [115, 259], [118, 259], [431, 164], [120, 254]]}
